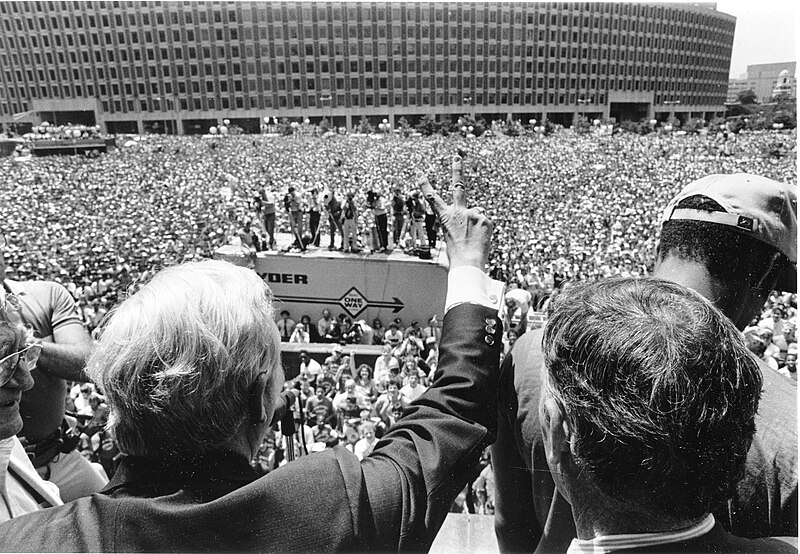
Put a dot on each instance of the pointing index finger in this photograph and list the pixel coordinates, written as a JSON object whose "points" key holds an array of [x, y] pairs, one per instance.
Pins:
{"points": [[459, 191], [436, 202]]}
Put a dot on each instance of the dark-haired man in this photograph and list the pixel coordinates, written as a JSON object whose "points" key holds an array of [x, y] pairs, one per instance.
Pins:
{"points": [[648, 411], [733, 239]]}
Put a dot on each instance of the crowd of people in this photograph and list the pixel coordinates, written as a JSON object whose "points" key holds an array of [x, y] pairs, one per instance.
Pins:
{"points": [[193, 380], [565, 206], [341, 403]]}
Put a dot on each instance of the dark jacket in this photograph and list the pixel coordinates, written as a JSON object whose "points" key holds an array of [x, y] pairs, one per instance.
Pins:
{"points": [[397, 498]]}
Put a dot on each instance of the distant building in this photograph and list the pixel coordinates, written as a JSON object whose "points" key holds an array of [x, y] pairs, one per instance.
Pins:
{"points": [[786, 86], [181, 67], [765, 79], [736, 86]]}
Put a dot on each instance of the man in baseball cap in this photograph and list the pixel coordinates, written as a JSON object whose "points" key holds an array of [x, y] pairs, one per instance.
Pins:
{"points": [[752, 206], [732, 239]]}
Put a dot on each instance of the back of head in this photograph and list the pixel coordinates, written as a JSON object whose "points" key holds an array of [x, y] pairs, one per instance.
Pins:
{"points": [[659, 390], [177, 359], [739, 226]]}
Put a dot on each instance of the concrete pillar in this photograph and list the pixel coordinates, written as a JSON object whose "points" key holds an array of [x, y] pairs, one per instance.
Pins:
{"points": [[348, 122], [140, 126]]}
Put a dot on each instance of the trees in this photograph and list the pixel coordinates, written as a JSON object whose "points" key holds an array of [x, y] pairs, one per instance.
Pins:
{"points": [[404, 127], [325, 125], [364, 126], [427, 125], [746, 97]]}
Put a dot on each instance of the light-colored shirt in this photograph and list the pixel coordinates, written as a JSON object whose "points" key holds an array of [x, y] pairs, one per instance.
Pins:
{"points": [[610, 543], [363, 447], [788, 374], [470, 284], [312, 368], [412, 393], [18, 480]]}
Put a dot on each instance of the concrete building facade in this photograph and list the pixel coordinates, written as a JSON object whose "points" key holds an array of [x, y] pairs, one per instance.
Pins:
{"points": [[181, 67]]}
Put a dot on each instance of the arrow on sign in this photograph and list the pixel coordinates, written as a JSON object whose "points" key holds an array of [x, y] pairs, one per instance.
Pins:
{"points": [[353, 302], [396, 305]]}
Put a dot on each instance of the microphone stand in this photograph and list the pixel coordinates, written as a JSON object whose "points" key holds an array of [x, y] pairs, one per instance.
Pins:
{"points": [[288, 430]]}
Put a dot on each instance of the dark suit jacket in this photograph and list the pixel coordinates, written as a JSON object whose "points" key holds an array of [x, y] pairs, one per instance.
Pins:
{"points": [[529, 509], [397, 498]]}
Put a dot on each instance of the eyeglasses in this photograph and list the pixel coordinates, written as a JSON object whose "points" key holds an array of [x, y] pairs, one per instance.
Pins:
{"points": [[24, 359]]}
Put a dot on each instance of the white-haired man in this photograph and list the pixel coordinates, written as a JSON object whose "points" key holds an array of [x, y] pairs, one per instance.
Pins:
{"points": [[191, 369]]}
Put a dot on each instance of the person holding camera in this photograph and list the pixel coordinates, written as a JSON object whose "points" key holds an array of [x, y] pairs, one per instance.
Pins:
{"points": [[376, 204]]}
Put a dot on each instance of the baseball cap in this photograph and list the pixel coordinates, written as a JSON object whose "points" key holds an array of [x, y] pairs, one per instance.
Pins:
{"points": [[755, 206]]}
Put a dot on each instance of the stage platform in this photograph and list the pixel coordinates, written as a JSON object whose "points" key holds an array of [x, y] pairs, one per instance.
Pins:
{"points": [[361, 285], [285, 240], [71, 146]]}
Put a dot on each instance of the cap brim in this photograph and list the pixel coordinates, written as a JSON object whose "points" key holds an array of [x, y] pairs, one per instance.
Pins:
{"points": [[787, 279]]}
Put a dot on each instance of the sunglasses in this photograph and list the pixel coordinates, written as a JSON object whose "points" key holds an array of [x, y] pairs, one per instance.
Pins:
{"points": [[24, 359]]}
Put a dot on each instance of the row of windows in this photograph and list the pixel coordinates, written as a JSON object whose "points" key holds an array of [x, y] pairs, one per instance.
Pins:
{"points": [[188, 57], [366, 83], [319, 71], [650, 78], [474, 85], [647, 50], [566, 37], [466, 30], [368, 100], [568, 13]]}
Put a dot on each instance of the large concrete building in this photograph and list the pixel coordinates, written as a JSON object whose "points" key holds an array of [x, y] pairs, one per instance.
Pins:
{"points": [[182, 67]]}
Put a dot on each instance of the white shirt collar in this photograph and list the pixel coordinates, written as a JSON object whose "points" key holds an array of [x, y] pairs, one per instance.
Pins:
{"points": [[611, 543]]}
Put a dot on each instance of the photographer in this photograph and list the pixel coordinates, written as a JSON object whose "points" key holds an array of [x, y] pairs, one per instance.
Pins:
{"points": [[291, 203], [334, 208], [268, 210], [375, 203], [350, 224]]}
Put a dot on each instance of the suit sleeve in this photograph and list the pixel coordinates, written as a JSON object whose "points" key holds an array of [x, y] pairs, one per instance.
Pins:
{"points": [[515, 521], [417, 469]]}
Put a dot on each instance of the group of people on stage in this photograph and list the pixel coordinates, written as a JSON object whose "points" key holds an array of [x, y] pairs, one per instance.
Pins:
{"points": [[360, 227]]}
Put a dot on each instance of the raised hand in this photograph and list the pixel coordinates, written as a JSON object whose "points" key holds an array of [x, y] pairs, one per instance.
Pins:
{"points": [[467, 232]]}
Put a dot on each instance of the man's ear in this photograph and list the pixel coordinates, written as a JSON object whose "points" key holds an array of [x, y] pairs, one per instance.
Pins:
{"points": [[557, 432], [255, 401]]}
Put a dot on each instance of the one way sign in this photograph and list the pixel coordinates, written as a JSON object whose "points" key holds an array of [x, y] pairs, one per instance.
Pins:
{"points": [[353, 302]]}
